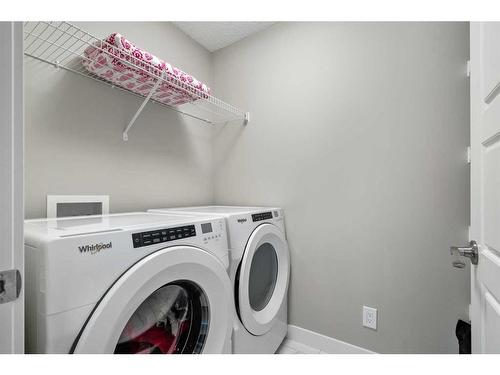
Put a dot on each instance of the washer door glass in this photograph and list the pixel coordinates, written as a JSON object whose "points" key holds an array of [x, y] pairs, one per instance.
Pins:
{"points": [[172, 320], [263, 276]]}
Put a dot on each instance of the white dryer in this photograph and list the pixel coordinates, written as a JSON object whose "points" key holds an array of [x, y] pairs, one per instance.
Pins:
{"points": [[128, 283], [259, 268]]}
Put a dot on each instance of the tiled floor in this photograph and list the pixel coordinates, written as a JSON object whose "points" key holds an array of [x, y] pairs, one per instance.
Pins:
{"points": [[294, 347]]}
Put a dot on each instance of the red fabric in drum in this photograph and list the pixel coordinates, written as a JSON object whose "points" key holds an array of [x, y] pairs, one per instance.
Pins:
{"points": [[155, 340]]}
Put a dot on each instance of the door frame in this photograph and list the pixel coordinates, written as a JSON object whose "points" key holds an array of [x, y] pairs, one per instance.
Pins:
{"points": [[475, 179], [485, 291], [11, 179]]}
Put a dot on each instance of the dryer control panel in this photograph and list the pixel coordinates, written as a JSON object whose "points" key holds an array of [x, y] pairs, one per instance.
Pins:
{"points": [[262, 216], [163, 235]]}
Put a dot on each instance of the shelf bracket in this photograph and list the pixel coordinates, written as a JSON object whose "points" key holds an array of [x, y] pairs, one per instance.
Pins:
{"points": [[146, 100], [246, 119]]}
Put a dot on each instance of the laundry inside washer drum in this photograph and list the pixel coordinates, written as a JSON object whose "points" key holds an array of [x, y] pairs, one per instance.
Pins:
{"points": [[172, 320]]}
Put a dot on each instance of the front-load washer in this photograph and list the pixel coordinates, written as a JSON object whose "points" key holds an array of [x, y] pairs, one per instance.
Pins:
{"points": [[259, 268], [128, 283]]}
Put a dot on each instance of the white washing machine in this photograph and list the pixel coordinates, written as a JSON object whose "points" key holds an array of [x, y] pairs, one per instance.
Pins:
{"points": [[259, 268], [128, 283]]}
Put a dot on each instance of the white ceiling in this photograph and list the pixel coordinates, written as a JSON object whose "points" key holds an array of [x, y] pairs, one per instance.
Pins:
{"points": [[216, 35]]}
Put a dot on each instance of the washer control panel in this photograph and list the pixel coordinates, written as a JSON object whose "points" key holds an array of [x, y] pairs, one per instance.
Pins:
{"points": [[163, 235], [212, 231]]}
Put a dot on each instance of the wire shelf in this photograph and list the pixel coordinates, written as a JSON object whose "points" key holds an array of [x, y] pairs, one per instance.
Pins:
{"points": [[63, 45]]}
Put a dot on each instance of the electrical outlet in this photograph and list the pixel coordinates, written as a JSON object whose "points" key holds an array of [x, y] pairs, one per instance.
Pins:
{"points": [[370, 317]]}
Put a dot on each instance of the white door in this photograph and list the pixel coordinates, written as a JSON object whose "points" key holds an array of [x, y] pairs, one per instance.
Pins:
{"points": [[11, 188], [175, 301], [485, 185], [263, 278]]}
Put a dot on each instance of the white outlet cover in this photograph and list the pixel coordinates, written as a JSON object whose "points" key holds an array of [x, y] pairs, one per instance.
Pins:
{"points": [[370, 317]]}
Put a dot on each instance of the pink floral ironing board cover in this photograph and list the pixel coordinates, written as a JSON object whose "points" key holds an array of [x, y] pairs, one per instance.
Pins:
{"points": [[140, 71]]}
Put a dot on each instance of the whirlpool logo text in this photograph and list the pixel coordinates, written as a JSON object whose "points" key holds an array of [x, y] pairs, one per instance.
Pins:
{"points": [[95, 248]]}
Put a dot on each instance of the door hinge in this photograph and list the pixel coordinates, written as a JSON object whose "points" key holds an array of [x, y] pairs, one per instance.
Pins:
{"points": [[468, 68], [468, 155], [10, 285]]}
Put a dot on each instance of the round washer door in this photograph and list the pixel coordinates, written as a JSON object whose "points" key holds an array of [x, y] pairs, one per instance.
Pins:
{"points": [[176, 300], [263, 278]]}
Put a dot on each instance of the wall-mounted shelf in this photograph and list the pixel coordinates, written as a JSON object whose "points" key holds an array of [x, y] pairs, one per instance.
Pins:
{"points": [[63, 45]]}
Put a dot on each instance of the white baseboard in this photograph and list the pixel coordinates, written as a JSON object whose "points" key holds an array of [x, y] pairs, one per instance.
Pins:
{"points": [[324, 343]]}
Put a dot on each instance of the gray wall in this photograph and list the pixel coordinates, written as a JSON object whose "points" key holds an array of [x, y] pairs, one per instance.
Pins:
{"points": [[74, 126], [359, 131]]}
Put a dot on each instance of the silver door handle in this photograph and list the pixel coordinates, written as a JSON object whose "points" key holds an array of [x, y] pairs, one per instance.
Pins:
{"points": [[10, 285], [471, 252]]}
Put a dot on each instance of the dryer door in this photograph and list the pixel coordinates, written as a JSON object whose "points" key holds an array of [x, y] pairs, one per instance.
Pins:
{"points": [[263, 278], [176, 300]]}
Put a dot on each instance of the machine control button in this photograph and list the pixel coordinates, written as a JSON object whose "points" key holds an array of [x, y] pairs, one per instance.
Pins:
{"points": [[137, 239], [162, 235], [262, 216]]}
